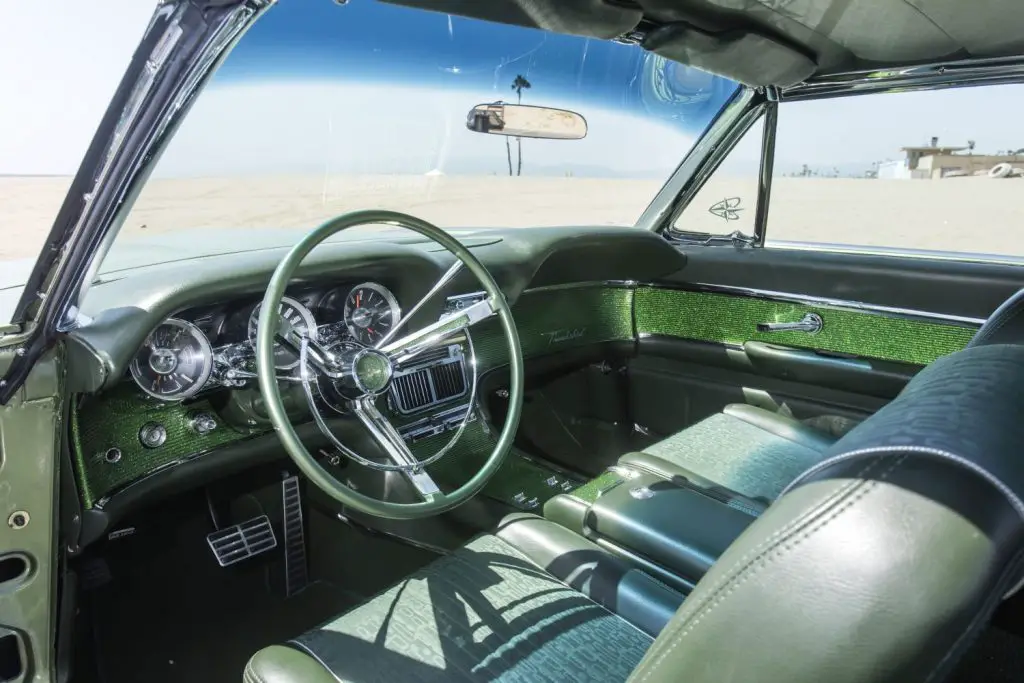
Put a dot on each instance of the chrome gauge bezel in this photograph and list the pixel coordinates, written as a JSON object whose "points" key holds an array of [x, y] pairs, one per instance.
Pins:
{"points": [[304, 313], [206, 350], [389, 297]]}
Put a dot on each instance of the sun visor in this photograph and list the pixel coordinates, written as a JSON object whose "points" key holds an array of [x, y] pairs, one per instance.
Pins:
{"points": [[588, 18], [741, 55]]}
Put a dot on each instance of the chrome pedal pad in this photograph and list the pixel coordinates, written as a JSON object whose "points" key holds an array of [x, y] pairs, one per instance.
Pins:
{"points": [[240, 542], [295, 570]]}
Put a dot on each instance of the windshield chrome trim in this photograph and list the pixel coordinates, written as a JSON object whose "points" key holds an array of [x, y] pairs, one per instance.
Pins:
{"points": [[183, 43], [700, 162]]}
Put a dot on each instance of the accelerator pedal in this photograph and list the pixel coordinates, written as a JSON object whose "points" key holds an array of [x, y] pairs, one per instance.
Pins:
{"points": [[242, 541], [296, 576]]}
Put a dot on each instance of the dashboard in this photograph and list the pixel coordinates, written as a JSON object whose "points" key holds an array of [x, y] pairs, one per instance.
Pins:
{"points": [[163, 368], [212, 346]]}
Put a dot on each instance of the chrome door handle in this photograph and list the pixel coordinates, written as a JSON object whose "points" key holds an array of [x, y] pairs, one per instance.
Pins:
{"points": [[810, 323]]}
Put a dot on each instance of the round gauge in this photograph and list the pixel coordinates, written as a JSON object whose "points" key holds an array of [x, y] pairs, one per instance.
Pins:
{"points": [[174, 361], [371, 310], [297, 317]]}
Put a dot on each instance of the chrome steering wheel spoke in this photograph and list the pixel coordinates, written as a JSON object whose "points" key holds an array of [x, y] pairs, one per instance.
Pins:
{"points": [[411, 345], [385, 434]]}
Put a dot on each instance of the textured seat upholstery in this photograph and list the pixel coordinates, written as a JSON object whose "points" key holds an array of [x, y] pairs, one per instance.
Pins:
{"points": [[507, 606], [880, 564], [1005, 325], [744, 449]]}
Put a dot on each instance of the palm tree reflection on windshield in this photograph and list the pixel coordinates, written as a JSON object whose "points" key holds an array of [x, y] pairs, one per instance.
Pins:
{"points": [[519, 85]]}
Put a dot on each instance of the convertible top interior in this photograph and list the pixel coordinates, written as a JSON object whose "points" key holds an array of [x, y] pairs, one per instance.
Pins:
{"points": [[772, 42]]}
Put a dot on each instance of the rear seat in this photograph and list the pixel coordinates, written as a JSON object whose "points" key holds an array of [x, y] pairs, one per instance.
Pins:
{"points": [[675, 507], [745, 449]]}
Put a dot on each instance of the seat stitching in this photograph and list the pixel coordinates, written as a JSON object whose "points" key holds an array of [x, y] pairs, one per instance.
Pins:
{"points": [[250, 673], [739, 578], [1006, 317], [309, 651], [843, 490], [736, 568]]}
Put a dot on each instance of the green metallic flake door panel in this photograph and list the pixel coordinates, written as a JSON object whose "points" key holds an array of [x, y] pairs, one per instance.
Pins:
{"points": [[732, 319]]}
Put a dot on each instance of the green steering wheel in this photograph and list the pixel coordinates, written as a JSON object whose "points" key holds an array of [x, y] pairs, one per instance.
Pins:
{"points": [[361, 375]]}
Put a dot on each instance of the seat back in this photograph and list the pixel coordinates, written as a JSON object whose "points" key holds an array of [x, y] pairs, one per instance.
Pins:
{"points": [[881, 563]]}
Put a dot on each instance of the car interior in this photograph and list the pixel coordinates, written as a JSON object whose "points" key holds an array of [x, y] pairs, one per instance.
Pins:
{"points": [[558, 454]]}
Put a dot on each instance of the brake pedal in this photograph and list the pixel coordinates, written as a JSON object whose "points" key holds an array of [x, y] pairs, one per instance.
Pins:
{"points": [[242, 541], [295, 570]]}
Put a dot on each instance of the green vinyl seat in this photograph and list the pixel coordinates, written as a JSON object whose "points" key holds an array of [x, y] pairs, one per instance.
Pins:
{"points": [[881, 563]]}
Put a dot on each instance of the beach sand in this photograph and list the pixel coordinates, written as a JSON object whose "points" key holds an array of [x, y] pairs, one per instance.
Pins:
{"points": [[957, 214]]}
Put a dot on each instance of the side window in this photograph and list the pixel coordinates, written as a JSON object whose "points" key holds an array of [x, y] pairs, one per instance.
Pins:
{"points": [[728, 199], [933, 170]]}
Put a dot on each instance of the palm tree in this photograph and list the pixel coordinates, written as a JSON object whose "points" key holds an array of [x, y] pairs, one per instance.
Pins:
{"points": [[519, 85]]}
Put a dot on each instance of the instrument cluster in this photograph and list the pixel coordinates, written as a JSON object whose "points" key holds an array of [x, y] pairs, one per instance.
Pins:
{"points": [[211, 346]]}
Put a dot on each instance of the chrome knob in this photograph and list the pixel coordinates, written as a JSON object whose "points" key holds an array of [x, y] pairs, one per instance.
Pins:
{"points": [[152, 435], [203, 423]]}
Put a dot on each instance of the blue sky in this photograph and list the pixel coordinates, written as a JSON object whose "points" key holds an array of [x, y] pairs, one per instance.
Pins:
{"points": [[320, 75], [320, 72]]}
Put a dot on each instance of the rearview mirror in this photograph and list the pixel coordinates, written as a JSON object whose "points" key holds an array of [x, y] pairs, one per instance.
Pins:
{"points": [[526, 121]]}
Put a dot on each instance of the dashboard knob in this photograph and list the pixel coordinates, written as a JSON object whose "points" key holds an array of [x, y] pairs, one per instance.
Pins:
{"points": [[152, 435], [203, 423]]}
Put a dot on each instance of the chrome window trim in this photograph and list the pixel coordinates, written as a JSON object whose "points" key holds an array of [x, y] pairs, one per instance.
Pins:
{"points": [[855, 306], [700, 162], [896, 252], [788, 297]]}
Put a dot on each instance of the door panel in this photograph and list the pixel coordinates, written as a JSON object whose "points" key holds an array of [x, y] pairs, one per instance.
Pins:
{"points": [[732, 317], [941, 286], [883, 319]]}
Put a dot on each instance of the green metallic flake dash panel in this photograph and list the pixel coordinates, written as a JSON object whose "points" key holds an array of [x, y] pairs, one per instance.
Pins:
{"points": [[733, 319], [548, 321], [552, 320], [114, 419]]}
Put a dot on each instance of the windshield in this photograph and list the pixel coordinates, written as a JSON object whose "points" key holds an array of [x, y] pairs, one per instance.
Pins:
{"points": [[323, 109]]}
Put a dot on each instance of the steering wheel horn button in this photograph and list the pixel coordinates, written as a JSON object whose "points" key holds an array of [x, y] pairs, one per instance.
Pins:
{"points": [[372, 371]]}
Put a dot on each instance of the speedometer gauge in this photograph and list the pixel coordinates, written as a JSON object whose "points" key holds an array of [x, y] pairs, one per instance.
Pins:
{"points": [[174, 362], [371, 310], [295, 315]]}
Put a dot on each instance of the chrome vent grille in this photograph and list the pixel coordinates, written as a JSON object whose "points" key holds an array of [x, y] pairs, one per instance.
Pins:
{"points": [[442, 377]]}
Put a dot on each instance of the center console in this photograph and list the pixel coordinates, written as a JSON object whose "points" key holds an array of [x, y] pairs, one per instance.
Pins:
{"points": [[672, 529]]}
